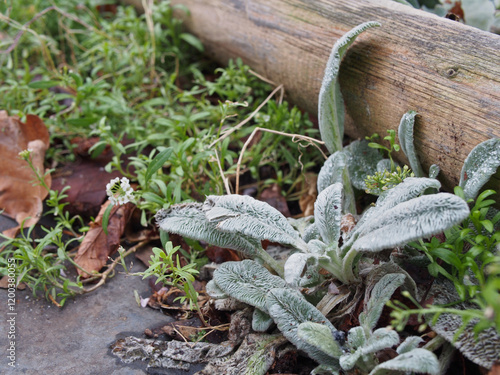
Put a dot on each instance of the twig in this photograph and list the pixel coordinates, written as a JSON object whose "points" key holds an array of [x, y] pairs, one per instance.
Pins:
{"points": [[234, 128], [106, 273], [295, 138], [224, 178]]}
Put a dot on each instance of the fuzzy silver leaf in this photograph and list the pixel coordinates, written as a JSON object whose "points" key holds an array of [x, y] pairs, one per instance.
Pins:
{"points": [[420, 361], [412, 220], [479, 166], [188, 220], [330, 102], [362, 162], [381, 293], [331, 172], [247, 281], [320, 336], [405, 134], [328, 213], [289, 308], [261, 321], [245, 215]]}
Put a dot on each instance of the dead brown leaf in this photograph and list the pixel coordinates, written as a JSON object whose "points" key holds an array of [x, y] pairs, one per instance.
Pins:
{"points": [[273, 197], [495, 370], [309, 194], [84, 199], [96, 247], [19, 198]]}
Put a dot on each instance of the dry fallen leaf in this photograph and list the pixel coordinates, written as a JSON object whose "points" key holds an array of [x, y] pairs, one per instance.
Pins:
{"points": [[308, 197], [272, 196], [96, 247], [19, 198]]}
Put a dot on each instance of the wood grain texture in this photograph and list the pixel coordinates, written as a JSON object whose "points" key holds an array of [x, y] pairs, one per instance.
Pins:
{"points": [[446, 71]]}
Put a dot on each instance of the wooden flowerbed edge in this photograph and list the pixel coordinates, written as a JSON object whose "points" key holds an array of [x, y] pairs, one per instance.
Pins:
{"points": [[448, 72]]}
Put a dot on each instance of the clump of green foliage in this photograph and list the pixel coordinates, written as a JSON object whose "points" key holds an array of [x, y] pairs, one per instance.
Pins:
{"points": [[139, 86]]}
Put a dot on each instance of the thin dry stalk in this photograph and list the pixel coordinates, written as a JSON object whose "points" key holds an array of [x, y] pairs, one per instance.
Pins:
{"points": [[221, 171], [148, 13], [112, 266], [295, 137], [234, 128]]}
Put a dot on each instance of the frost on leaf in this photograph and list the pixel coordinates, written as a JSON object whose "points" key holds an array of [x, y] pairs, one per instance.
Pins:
{"points": [[247, 281], [479, 166], [188, 220]]}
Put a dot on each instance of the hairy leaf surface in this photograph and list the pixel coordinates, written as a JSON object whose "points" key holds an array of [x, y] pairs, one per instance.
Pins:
{"points": [[331, 172], [410, 188], [261, 321], [411, 342], [362, 162], [420, 361], [301, 270], [380, 339], [247, 281], [405, 134], [328, 213], [289, 308], [412, 220], [320, 336], [331, 103], [252, 218], [479, 166], [189, 220], [381, 293]]}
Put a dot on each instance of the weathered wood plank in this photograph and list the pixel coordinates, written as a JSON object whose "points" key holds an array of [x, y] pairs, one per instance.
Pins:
{"points": [[447, 71]]}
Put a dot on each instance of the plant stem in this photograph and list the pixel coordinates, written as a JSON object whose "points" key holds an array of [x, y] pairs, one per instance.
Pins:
{"points": [[273, 263]]}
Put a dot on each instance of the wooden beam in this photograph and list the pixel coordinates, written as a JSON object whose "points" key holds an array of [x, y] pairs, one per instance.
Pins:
{"points": [[446, 71]]}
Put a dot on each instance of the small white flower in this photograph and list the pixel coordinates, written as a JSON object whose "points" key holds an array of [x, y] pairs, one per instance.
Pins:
{"points": [[119, 191]]}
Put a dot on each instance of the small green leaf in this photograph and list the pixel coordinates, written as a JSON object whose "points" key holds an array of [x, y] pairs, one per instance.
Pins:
{"points": [[43, 84], [157, 163], [82, 121], [105, 218], [193, 41]]}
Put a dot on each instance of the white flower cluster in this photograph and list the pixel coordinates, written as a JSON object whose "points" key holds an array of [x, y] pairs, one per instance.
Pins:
{"points": [[119, 191]]}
